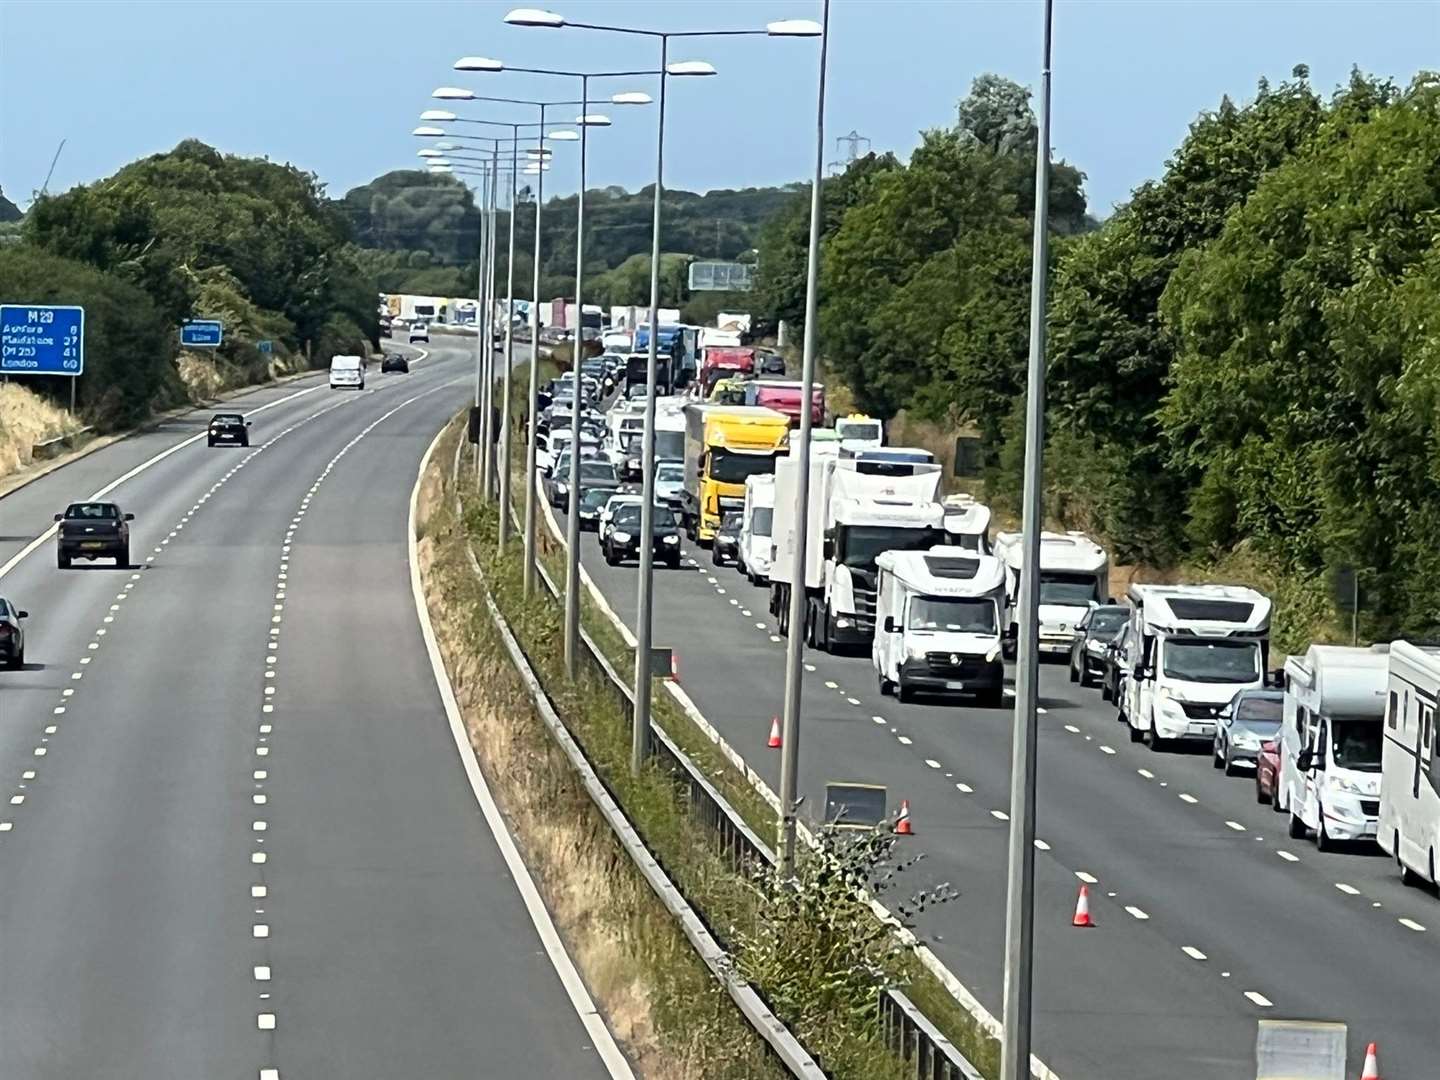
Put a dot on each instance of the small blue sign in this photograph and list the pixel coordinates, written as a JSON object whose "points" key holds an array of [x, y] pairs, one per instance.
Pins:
{"points": [[201, 333], [42, 339], [265, 346]]}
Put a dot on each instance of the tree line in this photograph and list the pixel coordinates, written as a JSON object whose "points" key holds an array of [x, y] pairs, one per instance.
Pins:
{"points": [[1244, 360], [191, 233]]}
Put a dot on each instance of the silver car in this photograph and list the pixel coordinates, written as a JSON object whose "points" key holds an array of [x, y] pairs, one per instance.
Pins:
{"points": [[1252, 718], [669, 481]]}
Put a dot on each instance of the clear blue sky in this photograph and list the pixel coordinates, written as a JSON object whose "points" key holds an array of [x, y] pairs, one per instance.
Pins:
{"points": [[336, 85]]}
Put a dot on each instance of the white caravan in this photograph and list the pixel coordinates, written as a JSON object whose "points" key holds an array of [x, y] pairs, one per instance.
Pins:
{"points": [[1329, 773], [938, 619], [967, 523], [1409, 793], [1190, 647], [1074, 576], [755, 528]]}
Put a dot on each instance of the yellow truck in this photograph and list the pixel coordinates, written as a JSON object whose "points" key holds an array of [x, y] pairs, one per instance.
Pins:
{"points": [[725, 444]]}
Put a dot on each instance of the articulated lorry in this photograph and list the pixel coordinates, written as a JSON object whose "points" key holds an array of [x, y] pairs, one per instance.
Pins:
{"points": [[857, 510], [724, 446], [788, 398]]}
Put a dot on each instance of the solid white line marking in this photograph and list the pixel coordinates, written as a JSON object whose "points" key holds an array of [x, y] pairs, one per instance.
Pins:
{"points": [[932, 763], [1411, 924], [904, 740], [1135, 911], [999, 815], [1348, 890], [1259, 999], [1188, 798], [1287, 856], [1089, 879], [1235, 825], [1192, 952]]}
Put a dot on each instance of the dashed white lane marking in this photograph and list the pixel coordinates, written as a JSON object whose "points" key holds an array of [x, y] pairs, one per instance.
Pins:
{"points": [[745, 611], [999, 815], [1286, 855], [1411, 924], [16, 800], [262, 971], [932, 763], [1089, 879], [6, 826], [904, 740], [1192, 952], [1188, 798], [965, 789], [830, 685], [1072, 729], [1042, 845], [265, 1021], [809, 667], [1106, 749], [1041, 711], [1348, 890], [1235, 825], [258, 858], [761, 626], [878, 719], [269, 1074], [1137, 912], [853, 701], [1259, 999]]}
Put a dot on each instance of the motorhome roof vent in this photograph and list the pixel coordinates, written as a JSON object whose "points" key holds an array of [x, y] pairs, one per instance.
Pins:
{"points": [[952, 566], [1197, 609]]}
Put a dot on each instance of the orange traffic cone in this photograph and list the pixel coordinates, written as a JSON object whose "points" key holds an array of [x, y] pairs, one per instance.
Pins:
{"points": [[902, 823], [1082, 908], [1372, 1064], [774, 742]]}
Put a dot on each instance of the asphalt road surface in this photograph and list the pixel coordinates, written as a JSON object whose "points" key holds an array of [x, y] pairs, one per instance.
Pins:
{"points": [[237, 836], [1209, 917]]}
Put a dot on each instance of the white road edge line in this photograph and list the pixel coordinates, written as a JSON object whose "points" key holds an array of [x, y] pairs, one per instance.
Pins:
{"points": [[580, 1000]]}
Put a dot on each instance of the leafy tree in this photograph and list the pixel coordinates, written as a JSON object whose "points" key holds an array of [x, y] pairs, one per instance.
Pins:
{"points": [[8, 210]]}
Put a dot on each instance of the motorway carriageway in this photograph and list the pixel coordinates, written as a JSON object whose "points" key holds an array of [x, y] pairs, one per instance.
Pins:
{"points": [[1209, 917], [237, 838]]}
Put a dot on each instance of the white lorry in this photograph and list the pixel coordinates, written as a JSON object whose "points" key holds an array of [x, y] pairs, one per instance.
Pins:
{"points": [[967, 523], [939, 615], [857, 509], [1331, 731], [1409, 827], [1188, 650], [859, 432], [1074, 575], [758, 513]]}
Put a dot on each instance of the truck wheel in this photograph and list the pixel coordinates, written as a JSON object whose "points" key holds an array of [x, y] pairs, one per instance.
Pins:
{"points": [[903, 692], [62, 560], [885, 685], [1136, 735], [1297, 828], [1157, 743], [1086, 679], [993, 698]]}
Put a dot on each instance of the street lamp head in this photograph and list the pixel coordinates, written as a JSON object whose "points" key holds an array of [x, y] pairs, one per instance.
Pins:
{"points": [[429, 132], [448, 146], [478, 63], [535, 170], [631, 97], [563, 136], [593, 120], [437, 115], [430, 152], [453, 93], [794, 28], [534, 17], [690, 67]]}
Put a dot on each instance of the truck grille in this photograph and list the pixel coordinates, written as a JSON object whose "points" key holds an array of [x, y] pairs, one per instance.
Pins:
{"points": [[864, 606], [940, 664], [1197, 711], [1370, 807]]}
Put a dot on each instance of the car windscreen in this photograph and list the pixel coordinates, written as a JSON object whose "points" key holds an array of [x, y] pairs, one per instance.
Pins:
{"points": [[964, 615], [1208, 661], [670, 474], [1106, 624], [227, 420], [596, 470], [1072, 590], [1254, 709], [760, 520], [1355, 743], [627, 516], [92, 512], [860, 545], [670, 444], [596, 497], [728, 467], [731, 522]]}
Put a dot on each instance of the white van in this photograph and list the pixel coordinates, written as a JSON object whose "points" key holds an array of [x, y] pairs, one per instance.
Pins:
{"points": [[1409, 827], [1190, 647], [939, 615], [1074, 576], [1330, 739], [347, 371], [758, 514]]}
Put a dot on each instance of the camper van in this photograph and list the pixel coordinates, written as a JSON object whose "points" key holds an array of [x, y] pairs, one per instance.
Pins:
{"points": [[1189, 648], [1074, 574], [1330, 739], [758, 513], [347, 371], [1409, 826], [939, 615], [967, 523]]}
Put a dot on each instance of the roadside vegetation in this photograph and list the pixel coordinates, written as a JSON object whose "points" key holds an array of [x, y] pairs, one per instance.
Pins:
{"points": [[1243, 359]]}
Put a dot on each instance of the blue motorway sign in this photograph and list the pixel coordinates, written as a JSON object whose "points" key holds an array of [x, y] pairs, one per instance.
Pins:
{"points": [[201, 333], [42, 339]]}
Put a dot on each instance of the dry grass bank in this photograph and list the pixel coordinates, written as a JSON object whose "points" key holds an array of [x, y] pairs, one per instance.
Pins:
{"points": [[25, 419]]}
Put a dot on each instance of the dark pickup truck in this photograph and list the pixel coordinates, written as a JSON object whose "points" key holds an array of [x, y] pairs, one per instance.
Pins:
{"points": [[93, 530]]}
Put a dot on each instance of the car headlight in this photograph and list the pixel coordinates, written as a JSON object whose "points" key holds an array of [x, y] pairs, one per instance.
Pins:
{"points": [[561, 486], [914, 652], [993, 654], [620, 537], [672, 539], [1352, 787]]}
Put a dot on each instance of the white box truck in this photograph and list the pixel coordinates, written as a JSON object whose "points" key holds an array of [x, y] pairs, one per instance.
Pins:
{"points": [[1189, 649], [857, 509], [967, 523], [758, 512], [1074, 575], [1331, 733], [940, 616], [1409, 827]]}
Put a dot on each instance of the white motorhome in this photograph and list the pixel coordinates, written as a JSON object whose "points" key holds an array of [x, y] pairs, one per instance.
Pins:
{"points": [[1074, 576], [859, 432], [625, 423], [758, 513], [1330, 738], [1190, 647], [1409, 826], [967, 523], [939, 616], [857, 509]]}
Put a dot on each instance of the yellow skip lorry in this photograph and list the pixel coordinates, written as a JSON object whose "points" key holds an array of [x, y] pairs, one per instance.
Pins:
{"points": [[725, 444]]}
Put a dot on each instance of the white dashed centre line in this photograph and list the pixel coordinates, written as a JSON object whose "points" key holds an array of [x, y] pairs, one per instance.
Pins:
{"points": [[999, 815], [1072, 729], [1135, 911], [1348, 890], [878, 719], [1192, 952], [1259, 999], [1042, 845], [1146, 773], [1409, 924], [1235, 825], [965, 789], [904, 740], [1089, 879], [1287, 856], [1188, 798], [932, 763], [1106, 749]]}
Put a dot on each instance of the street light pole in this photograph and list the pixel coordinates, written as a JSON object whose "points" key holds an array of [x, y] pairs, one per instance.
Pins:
{"points": [[488, 481], [480, 324], [572, 522], [531, 445], [504, 532], [1020, 873], [795, 638]]}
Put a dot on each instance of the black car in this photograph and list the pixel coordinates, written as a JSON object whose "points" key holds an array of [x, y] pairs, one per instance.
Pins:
{"points": [[594, 472], [93, 530], [726, 547], [226, 427], [772, 365], [12, 634], [592, 499], [1251, 719], [1113, 664], [623, 540], [395, 362], [1093, 632]]}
